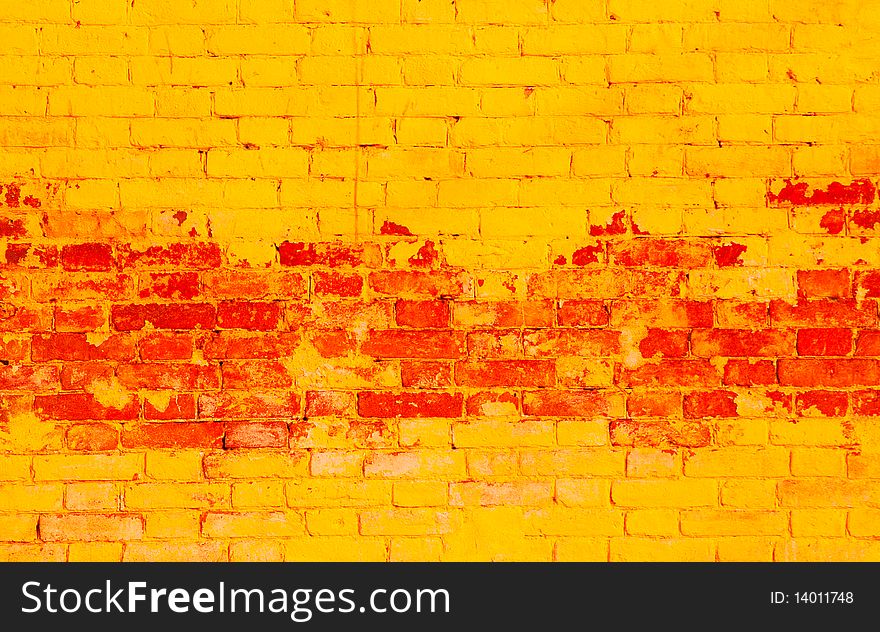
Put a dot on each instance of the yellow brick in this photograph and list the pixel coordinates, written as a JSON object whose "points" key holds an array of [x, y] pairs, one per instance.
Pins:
{"points": [[581, 550], [169, 525], [818, 462], [664, 493], [818, 522], [415, 464], [256, 551], [88, 467], [652, 522], [653, 99], [582, 432], [256, 465], [574, 492], [406, 521], [661, 550], [573, 522], [428, 549], [332, 522], [95, 552], [253, 524], [733, 522], [40, 497], [335, 549], [491, 12], [18, 527], [177, 466], [335, 493], [749, 493], [258, 494], [15, 467], [178, 551], [101, 101], [503, 434], [746, 549], [195, 12], [91, 496], [176, 495], [419, 493]]}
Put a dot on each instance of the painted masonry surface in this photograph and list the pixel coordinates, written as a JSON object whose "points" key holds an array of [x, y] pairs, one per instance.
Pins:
{"points": [[439, 280]]}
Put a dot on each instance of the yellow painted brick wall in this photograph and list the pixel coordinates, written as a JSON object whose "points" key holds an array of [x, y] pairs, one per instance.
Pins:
{"points": [[439, 280]]}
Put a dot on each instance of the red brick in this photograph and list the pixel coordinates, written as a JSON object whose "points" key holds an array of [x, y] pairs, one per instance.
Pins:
{"points": [[866, 403], [201, 434], [824, 313], [409, 405], [501, 343], [79, 319], [529, 373], [92, 437], [686, 314], [171, 376], [708, 343], [826, 403], [73, 346], [747, 373], [425, 374], [654, 404], [32, 256], [90, 257], [16, 377], [244, 284], [414, 344], [333, 344], [337, 284], [248, 315], [736, 315], [226, 405], [582, 314], [266, 434], [342, 314], [14, 349], [332, 255], [839, 372], [671, 372], [173, 316], [571, 342], [824, 284], [178, 286], [867, 284], [422, 314], [655, 434], [181, 406], [489, 314], [670, 343], [78, 375], [492, 403], [166, 346], [868, 343], [235, 346], [81, 406], [548, 403], [195, 256], [710, 404], [824, 342], [256, 375], [668, 253], [328, 403], [89, 286], [434, 283]]}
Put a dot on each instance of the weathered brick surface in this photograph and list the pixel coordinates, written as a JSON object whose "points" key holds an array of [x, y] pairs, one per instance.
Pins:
{"points": [[568, 279]]}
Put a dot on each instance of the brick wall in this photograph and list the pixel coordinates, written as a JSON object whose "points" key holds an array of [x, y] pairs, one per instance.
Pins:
{"points": [[439, 279]]}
